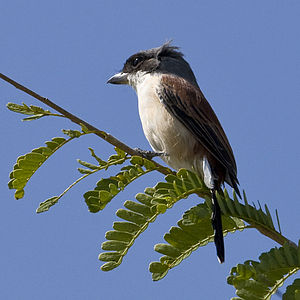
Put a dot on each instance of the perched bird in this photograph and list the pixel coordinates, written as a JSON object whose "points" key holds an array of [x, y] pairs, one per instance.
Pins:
{"points": [[179, 122]]}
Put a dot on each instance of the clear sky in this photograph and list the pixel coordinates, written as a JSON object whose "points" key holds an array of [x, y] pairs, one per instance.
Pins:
{"points": [[246, 57]]}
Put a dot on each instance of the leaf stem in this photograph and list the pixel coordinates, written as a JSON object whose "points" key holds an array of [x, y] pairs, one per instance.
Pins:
{"points": [[86, 175], [55, 115], [280, 282]]}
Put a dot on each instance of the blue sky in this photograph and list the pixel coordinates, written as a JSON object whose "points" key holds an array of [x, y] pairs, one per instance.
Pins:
{"points": [[245, 55]]}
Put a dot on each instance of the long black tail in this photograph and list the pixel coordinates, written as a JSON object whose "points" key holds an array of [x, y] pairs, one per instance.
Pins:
{"points": [[218, 229]]}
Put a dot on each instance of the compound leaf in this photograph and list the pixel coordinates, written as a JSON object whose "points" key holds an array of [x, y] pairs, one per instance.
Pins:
{"points": [[261, 279], [29, 163], [107, 188], [194, 230], [35, 112]]}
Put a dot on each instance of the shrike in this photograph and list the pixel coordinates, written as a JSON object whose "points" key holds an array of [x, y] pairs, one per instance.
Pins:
{"points": [[179, 122]]}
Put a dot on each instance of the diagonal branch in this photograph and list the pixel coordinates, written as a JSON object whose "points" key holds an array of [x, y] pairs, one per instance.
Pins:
{"points": [[105, 136], [117, 143]]}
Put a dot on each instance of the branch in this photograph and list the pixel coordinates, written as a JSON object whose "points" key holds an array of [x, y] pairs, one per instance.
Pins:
{"points": [[274, 235], [117, 143], [105, 136]]}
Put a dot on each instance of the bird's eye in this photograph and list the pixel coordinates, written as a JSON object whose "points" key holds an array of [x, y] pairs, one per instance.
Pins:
{"points": [[136, 61]]}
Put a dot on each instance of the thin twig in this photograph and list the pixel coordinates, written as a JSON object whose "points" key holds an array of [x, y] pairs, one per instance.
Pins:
{"points": [[105, 136]]}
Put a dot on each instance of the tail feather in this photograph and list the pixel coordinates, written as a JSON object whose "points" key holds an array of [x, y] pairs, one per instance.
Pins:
{"points": [[217, 227]]}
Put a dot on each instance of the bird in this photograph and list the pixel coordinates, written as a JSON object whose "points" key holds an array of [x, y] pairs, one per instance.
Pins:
{"points": [[179, 123]]}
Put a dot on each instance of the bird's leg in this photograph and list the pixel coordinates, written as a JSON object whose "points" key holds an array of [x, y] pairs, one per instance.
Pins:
{"points": [[149, 154]]}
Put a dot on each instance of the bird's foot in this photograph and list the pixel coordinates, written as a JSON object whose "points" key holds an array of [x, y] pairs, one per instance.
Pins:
{"points": [[149, 154]]}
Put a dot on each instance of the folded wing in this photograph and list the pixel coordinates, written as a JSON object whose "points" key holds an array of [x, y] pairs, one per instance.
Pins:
{"points": [[187, 103]]}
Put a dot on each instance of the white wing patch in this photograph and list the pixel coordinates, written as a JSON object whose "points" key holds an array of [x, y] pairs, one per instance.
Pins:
{"points": [[207, 174]]}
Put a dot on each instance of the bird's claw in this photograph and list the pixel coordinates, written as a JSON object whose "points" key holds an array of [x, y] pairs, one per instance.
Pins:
{"points": [[149, 154]]}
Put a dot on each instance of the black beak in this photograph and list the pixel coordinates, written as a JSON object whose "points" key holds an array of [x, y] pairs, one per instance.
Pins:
{"points": [[119, 78]]}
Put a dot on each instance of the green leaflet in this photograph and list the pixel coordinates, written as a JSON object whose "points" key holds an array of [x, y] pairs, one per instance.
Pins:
{"points": [[45, 206], [28, 164], [73, 133], [108, 188], [194, 230], [260, 280]]}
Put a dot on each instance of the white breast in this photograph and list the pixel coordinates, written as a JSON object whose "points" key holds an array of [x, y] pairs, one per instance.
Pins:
{"points": [[164, 132]]}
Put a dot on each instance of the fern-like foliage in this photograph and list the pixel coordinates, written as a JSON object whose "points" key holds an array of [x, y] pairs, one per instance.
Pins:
{"points": [[35, 112], [116, 159], [292, 291], [261, 279], [256, 217], [29, 163], [194, 230], [252, 280], [138, 215], [108, 188], [233, 207]]}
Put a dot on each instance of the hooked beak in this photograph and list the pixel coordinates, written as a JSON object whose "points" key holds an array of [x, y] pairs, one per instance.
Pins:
{"points": [[119, 78]]}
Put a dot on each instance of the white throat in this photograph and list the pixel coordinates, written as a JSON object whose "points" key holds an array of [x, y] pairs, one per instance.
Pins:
{"points": [[136, 79]]}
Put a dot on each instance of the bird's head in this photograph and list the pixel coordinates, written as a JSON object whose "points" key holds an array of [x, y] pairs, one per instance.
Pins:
{"points": [[165, 59]]}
